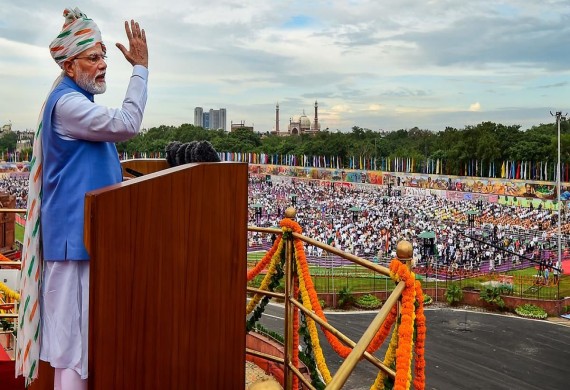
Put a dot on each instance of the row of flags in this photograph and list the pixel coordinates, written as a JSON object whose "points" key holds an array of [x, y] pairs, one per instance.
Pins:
{"points": [[523, 170], [534, 170]]}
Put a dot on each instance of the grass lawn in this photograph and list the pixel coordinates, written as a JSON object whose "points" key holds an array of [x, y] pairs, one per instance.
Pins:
{"points": [[564, 280], [19, 232], [356, 278], [359, 279]]}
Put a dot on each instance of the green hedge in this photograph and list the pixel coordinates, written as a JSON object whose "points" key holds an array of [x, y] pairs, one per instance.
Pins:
{"points": [[531, 311], [369, 302]]}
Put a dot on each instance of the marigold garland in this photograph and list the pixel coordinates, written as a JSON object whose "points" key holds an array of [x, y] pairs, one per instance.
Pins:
{"points": [[9, 293], [402, 348], [295, 357], [419, 359], [336, 344], [318, 352], [267, 279], [400, 272], [264, 261], [389, 358]]}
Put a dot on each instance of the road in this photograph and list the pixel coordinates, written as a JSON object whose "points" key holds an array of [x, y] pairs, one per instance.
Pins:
{"points": [[466, 350]]}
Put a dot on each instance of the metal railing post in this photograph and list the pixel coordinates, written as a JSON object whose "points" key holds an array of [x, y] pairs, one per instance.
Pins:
{"points": [[289, 307], [292, 304]]}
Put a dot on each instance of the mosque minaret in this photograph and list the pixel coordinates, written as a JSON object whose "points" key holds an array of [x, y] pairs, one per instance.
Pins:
{"points": [[277, 118], [298, 125]]}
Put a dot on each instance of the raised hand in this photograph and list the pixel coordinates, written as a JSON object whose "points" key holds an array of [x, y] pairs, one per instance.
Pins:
{"points": [[138, 50]]}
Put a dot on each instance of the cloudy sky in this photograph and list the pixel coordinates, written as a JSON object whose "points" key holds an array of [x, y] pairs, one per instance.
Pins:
{"points": [[376, 64]]}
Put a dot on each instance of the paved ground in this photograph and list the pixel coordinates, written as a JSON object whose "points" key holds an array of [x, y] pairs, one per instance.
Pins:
{"points": [[470, 350]]}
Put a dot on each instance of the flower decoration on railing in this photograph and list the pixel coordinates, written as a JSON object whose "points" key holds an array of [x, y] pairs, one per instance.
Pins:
{"points": [[9, 293], [7, 297], [408, 325]]}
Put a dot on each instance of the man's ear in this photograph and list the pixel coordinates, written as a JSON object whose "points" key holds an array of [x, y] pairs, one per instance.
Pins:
{"points": [[69, 68]]}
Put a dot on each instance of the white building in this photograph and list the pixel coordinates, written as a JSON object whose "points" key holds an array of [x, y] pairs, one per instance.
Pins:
{"points": [[199, 117], [298, 125], [212, 119]]}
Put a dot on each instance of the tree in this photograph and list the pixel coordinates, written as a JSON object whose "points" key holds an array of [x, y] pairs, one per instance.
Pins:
{"points": [[8, 141], [487, 142]]}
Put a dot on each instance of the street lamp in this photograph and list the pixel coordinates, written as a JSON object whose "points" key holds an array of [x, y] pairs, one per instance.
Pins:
{"points": [[559, 118], [258, 210], [471, 220], [428, 241], [293, 199], [428, 244], [480, 205], [355, 211]]}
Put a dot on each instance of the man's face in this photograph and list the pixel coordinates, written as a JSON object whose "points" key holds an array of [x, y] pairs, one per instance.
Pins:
{"points": [[88, 70]]}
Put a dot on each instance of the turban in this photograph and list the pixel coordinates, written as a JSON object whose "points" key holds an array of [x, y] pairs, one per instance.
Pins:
{"points": [[78, 33]]}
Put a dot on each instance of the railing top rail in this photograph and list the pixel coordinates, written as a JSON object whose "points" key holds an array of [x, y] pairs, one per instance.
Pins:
{"points": [[355, 259], [13, 210], [348, 256]]}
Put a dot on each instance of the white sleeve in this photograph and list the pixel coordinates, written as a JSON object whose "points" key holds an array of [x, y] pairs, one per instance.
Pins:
{"points": [[76, 117]]}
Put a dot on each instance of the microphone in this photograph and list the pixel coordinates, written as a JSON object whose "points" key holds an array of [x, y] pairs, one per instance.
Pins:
{"points": [[178, 153]]}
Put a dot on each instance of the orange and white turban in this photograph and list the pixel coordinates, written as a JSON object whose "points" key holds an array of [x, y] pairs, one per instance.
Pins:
{"points": [[79, 33]]}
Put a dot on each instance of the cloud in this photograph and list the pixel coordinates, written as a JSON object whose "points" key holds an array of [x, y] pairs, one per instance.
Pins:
{"points": [[555, 85], [375, 107], [372, 64], [475, 107]]}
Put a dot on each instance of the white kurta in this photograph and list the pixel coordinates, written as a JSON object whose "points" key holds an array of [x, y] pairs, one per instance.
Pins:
{"points": [[65, 285]]}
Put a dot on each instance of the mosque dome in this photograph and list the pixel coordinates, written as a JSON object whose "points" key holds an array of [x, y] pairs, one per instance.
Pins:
{"points": [[304, 121]]}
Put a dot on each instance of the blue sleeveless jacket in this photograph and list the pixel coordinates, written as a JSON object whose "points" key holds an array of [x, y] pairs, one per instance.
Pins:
{"points": [[70, 169]]}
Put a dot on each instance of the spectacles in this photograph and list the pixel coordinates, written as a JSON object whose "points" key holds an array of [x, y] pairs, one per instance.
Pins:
{"points": [[93, 58]]}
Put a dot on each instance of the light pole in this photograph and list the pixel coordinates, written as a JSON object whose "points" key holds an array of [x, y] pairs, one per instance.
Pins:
{"points": [[331, 257], [355, 213], [559, 118], [294, 200], [257, 209], [471, 214], [428, 241]]}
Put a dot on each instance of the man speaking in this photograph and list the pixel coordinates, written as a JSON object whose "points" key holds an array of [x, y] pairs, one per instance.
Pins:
{"points": [[74, 152]]}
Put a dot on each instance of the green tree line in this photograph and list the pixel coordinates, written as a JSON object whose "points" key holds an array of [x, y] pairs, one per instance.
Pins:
{"points": [[487, 142]]}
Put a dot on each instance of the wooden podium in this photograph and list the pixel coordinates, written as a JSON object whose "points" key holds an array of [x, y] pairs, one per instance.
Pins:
{"points": [[168, 278]]}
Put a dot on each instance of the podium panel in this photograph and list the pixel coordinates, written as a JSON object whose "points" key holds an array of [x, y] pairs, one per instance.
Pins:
{"points": [[168, 279]]}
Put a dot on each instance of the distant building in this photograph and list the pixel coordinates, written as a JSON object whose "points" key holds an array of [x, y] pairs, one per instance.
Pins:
{"points": [[212, 119], [240, 125], [7, 127], [199, 117], [298, 125], [25, 140]]}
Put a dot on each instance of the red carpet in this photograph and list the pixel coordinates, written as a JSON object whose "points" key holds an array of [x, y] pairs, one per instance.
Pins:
{"points": [[3, 355], [7, 379]]}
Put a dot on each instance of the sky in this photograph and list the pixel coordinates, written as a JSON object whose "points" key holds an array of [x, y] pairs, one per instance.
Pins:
{"points": [[378, 64]]}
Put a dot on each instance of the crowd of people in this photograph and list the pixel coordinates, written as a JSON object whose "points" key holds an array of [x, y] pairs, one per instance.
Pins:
{"points": [[369, 221], [503, 235], [17, 187]]}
